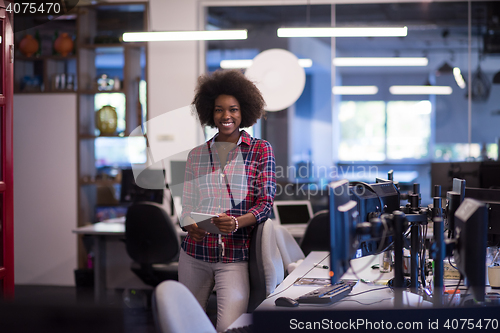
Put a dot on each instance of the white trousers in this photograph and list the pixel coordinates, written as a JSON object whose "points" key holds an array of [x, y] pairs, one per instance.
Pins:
{"points": [[230, 281]]}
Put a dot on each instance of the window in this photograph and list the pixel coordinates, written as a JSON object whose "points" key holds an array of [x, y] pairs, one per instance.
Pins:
{"points": [[382, 131]]}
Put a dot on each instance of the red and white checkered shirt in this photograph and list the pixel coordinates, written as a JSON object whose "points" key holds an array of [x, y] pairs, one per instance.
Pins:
{"points": [[246, 184]]}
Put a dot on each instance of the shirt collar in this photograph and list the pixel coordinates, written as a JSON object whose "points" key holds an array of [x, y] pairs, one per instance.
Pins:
{"points": [[244, 138]]}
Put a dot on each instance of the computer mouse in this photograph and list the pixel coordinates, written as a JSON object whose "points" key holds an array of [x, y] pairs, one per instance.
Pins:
{"points": [[286, 301]]}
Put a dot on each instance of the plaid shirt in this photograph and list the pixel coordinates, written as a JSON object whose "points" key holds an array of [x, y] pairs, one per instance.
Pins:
{"points": [[246, 184]]}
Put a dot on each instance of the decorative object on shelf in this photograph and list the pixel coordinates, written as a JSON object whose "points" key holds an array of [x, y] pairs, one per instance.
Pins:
{"points": [[104, 83], [106, 120], [28, 45], [63, 81], [31, 83], [63, 44]]}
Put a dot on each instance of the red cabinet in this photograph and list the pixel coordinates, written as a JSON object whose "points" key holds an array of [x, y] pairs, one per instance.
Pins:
{"points": [[6, 154]]}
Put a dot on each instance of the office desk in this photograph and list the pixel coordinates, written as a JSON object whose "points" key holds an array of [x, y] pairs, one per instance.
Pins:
{"points": [[370, 311], [111, 261], [383, 295]]}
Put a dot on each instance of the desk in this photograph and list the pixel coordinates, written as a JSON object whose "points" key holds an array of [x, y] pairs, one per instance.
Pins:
{"points": [[286, 288], [111, 261], [371, 311]]}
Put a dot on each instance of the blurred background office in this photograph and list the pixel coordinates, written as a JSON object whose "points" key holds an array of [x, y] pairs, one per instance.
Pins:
{"points": [[350, 121]]}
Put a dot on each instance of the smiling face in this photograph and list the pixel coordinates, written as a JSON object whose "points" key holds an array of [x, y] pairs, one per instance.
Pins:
{"points": [[227, 118]]}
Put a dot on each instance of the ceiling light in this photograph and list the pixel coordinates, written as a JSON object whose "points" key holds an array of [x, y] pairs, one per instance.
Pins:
{"points": [[343, 32], [240, 63], [245, 63], [355, 90], [184, 35], [379, 61], [420, 90], [306, 63], [458, 77]]}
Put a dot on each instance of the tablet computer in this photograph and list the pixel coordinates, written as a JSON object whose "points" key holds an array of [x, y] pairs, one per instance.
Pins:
{"points": [[204, 222]]}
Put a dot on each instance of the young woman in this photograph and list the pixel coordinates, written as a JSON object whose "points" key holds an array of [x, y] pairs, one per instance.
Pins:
{"points": [[231, 176]]}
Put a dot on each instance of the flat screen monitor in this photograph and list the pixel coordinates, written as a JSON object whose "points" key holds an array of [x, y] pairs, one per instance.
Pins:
{"points": [[375, 199], [471, 228], [341, 235], [490, 175], [453, 200], [492, 198], [345, 241], [292, 212], [149, 186], [443, 174]]}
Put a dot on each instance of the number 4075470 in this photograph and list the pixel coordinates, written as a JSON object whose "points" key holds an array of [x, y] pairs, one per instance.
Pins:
{"points": [[34, 8]]}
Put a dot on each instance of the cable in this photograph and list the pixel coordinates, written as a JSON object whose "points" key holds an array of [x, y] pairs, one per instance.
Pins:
{"points": [[455, 291], [353, 300], [379, 250], [449, 261], [371, 189]]}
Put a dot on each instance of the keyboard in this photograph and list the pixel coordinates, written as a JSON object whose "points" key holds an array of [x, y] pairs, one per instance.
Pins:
{"points": [[242, 329], [328, 294]]}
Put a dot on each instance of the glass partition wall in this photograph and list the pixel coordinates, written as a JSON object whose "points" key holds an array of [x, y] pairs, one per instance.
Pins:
{"points": [[358, 119]]}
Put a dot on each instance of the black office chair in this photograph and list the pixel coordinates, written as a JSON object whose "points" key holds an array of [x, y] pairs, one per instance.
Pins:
{"points": [[152, 242], [317, 234]]}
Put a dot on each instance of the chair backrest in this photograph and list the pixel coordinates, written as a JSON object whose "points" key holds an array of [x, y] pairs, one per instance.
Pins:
{"points": [[317, 234], [265, 263], [150, 235], [288, 246], [176, 310]]}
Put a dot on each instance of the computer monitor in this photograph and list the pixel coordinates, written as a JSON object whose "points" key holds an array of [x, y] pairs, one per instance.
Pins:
{"points": [[341, 234], [490, 175], [292, 212], [346, 242], [453, 200], [471, 228], [444, 173], [375, 199], [492, 198], [149, 186]]}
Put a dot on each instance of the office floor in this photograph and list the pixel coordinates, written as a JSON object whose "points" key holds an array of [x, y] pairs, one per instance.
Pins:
{"points": [[132, 310]]}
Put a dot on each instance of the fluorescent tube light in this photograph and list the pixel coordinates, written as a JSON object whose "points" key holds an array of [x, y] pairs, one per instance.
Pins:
{"points": [[241, 63], [184, 35], [380, 61], [354, 90], [306, 63], [343, 32], [458, 77], [245, 63], [420, 90]]}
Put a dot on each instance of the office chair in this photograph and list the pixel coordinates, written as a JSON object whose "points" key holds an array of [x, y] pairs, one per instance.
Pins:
{"points": [[317, 234], [152, 242], [265, 264], [291, 253], [176, 310]]}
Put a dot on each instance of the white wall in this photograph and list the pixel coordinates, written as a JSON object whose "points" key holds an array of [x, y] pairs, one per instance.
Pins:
{"points": [[172, 72], [45, 189]]}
